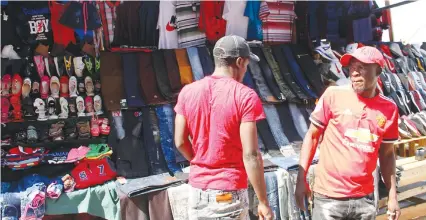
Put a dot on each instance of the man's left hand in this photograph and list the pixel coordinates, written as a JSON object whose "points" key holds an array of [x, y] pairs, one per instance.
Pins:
{"points": [[393, 209]]}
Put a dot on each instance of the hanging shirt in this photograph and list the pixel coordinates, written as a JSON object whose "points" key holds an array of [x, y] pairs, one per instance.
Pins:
{"points": [[236, 22], [354, 128], [187, 17], [108, 16], [32, 21], [211, 21], [167, 25], [61, 34], [277, 19], [254, 30]]}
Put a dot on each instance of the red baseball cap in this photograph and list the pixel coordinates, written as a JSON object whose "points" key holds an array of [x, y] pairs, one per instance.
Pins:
{"points": [[364, 54]]}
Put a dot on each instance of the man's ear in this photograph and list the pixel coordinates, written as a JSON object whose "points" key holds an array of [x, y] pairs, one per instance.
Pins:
{"points": [[378, 71], [239, 62]]}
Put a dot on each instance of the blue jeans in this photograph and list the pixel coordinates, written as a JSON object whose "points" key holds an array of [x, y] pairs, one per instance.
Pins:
{"points": [[166, 138], [260, 82], [272, 193], [170, 115], [275, 125], [299, 120], [194, 59]]}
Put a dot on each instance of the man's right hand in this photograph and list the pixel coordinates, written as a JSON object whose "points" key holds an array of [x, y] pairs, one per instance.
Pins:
{"points": [[265, 212], [302, 191]]}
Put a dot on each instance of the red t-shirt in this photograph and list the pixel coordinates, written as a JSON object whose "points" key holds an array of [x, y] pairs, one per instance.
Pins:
{"points": [[354, 127], [214, 108]]}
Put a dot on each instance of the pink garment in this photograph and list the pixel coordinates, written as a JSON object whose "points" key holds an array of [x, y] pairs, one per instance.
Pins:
{"points": [[77, 154]]}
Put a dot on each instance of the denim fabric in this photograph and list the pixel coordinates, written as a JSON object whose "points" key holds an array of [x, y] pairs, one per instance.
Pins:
{"points": [[272, 193], [170, 115], [203, 204], [260, 143], [268, 75], [253, 203], [206, 60], [260, 82], [266, 135], [297, 72], [154, 152], [145, 185], [285, 90], [118, 124], [166, 138], [11, 204], [178, 198], [299, 120], [355, 208], [282, 193], [275, 125], [287, 122], [194, 59], [293, 211], [248, 80]]}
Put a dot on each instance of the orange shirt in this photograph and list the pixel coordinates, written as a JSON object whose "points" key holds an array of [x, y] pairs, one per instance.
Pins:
{"points": [[354, 127]]}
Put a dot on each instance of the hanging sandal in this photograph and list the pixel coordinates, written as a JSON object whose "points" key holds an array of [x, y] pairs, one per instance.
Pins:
{"points": [[32, 135]]}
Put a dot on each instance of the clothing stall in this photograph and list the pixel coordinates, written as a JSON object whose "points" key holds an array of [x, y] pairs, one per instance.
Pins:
{"points": [[88, 90]]}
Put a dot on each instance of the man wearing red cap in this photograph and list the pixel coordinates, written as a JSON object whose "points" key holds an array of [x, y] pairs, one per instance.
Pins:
{"points": [[359, 126]]}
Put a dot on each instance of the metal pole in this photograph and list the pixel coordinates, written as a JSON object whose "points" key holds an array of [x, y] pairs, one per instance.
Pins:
{"points": [[393, 6]]}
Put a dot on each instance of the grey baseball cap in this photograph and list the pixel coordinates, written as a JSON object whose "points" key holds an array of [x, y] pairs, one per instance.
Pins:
{"points": [[232, 47]]}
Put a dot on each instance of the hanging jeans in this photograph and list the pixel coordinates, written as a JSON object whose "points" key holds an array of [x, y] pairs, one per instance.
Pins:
{"points": [[266, 135], [168, 111], [282, 175], [275, 125], [154, 152], [287, 122], [260, 82], [194, 59], [272, 193], [206, 60], [299, 120], [166, 138]]}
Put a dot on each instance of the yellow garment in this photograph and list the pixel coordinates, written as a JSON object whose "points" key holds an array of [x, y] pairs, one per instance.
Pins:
{"points": [[419, 64], [100, 156], [184, 66]]}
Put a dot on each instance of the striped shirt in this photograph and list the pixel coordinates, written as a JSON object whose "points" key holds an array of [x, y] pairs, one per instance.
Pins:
{"points": [[187, 17], [277, 18], [108, 16]]}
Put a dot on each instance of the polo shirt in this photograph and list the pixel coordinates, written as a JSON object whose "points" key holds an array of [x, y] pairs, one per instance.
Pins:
{"points": [[184, 66], [187, 18], [167, 25], [254, 29], [222, 105], [354, 128], [89, 173], [211, 21], [277, 21], [236, 22]]}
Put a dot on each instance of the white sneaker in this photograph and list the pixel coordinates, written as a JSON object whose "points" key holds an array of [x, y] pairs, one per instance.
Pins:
{"points": [[64, 108], [325, 51], [9, 53]]}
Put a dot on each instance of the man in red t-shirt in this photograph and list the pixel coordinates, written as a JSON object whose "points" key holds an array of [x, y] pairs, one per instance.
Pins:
{"points": [[359, 126], [215, 130]]}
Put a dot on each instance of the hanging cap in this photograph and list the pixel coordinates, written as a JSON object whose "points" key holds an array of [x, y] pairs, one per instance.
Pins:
{"points": [[232, 47], [365, 54]]}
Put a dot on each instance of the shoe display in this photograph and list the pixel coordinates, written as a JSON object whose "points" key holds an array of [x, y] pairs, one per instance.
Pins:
{"points": [[70, 130], [26, 87], [16, 85], [41, 66], [64, 86], [59, 64], [94, 127], [89, 106], [324, 49], [98, 86], [80, 106], [72, 108], [97, 65], [51, 105], [69, 68], [64, 108], [98, 105], [56, 132], [80, 86], [9, 53], [43, 134], [88, 62], [5, 105], [15, 101], [83, 129], [45, 82], [21, 136], [35, 90], [105, 128], [73, 86], [32, 136], [6, 83], [27, 105], [88, 82], [78, 66], [40, 109], [46, 64], [54, 87]]}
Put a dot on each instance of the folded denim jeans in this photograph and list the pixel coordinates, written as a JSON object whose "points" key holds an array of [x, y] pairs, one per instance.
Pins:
{"points": [[275, 125], [299, 120], [272, 193]]}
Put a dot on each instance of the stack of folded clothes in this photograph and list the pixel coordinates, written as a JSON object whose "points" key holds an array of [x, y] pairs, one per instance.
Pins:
{"points": [[18, 158]]}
